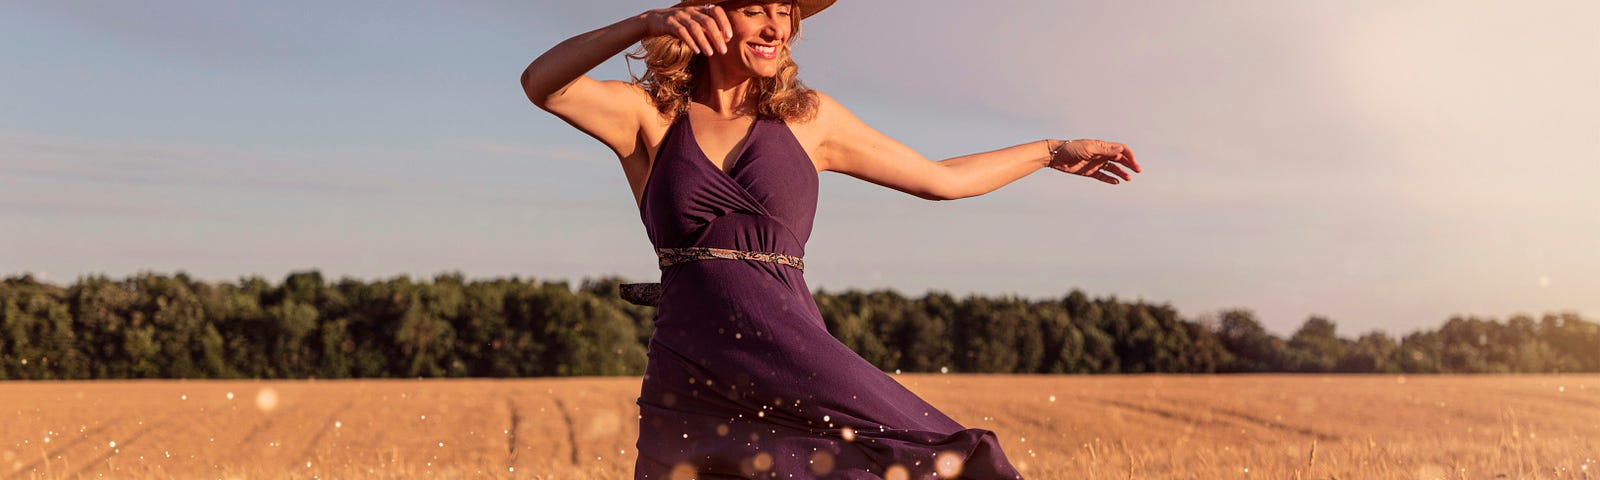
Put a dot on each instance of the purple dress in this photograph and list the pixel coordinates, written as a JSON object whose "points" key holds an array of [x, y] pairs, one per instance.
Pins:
{"points": [[744, 380]]}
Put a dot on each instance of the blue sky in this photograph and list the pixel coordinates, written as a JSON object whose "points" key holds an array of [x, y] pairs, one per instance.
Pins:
{"points": [[1384, 164]]}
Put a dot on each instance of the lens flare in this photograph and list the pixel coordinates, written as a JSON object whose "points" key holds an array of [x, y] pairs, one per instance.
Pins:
{"points": [[948, 464]]}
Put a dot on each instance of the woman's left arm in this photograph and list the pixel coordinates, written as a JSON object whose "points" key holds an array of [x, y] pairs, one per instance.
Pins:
{"points": [[851, 147]]}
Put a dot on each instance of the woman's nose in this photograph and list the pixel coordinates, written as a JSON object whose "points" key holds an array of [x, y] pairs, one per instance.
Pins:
{"points": [[773, 29]]}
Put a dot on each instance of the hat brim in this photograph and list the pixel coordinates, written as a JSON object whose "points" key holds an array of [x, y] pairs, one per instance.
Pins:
{"points": [[807, 7]]}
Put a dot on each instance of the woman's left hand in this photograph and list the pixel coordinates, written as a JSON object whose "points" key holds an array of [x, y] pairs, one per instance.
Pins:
{"points": [[1098, 159]]}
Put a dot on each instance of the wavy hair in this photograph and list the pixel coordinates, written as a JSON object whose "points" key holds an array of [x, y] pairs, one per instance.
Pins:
{"points": [[672, 70]]}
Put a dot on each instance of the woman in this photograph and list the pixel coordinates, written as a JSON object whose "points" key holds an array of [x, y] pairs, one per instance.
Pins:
{"points": [[722, 146]]}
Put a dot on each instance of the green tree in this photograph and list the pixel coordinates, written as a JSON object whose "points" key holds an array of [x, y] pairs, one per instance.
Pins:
{"points": [[1316, 346], [101, 309], [1099, 344], [1206, 353], [292, 323], [850, 318], [178, 318], [423, 339], [1253, 349], [1374, 352], [1062, 342], [925, 340]]}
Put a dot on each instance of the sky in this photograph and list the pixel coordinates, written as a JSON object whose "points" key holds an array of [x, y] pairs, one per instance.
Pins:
{"points": [[1386, 165]]}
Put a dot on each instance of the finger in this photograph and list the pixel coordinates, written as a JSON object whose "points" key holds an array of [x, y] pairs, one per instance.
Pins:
{"points": [[1116, 170], [717, 29], [1105, 177], [684, 34], [709, 27], [722, 20], [699, 34], [1128, 152]]}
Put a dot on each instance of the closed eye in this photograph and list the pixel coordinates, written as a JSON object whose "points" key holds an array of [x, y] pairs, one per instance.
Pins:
{"points": [[757, 11]]}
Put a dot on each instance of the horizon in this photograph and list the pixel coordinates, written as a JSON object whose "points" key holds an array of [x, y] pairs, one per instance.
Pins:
{"points": [[574, 284]]}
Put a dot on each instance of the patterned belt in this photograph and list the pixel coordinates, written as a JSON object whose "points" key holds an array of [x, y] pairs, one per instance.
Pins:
{"points": [[674, 256], [649, 294]]}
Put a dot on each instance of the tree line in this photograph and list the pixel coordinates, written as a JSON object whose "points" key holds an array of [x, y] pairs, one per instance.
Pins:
{"points": [[172, 326]]}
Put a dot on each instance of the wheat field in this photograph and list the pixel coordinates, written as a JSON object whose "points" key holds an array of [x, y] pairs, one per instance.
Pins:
{"points": [[1052, 427]]}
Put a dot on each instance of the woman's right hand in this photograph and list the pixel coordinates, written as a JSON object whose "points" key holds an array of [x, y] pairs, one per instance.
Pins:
{"points": [[704, 28]]}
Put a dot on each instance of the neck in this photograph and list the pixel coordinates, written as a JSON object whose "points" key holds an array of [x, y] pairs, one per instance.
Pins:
{"points": [[728, 95]]}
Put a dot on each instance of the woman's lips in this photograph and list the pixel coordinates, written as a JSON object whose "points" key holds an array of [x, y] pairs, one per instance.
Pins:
{"points": [[764, 51]]}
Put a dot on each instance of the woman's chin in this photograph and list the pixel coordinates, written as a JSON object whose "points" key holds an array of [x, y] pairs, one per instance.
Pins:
{"points": [[764, 71], [761, 73]]}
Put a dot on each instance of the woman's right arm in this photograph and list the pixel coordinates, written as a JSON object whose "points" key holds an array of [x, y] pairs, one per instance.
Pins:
{"points": [[611, 111]]}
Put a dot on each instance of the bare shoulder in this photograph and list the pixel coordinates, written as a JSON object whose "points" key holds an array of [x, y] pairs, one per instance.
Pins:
{"points": [[828, 109], [813, 132], [832, 133], [651, 122], [830, 116]]}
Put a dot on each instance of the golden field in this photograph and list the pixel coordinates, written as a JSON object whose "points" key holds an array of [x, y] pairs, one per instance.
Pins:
{"points": [[1052, 427]]}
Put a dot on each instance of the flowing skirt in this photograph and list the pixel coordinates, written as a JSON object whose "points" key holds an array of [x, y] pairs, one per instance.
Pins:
{"points": [[744, 381]]}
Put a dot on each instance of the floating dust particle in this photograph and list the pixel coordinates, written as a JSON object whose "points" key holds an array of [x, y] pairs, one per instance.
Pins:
{"points": [[267, 399], [682, 471], [897, 472], [821, 462], [948, 464], [762, 462]]}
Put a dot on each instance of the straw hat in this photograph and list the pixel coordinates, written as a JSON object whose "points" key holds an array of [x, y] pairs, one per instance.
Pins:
{"points": [[807, 7]]}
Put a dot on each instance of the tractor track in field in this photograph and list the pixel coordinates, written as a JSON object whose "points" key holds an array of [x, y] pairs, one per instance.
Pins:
{"points": [[327, 423], [1221, 417], [1173, 415], [164, 422], [1019, 413], [572, 431], [1276, 425], [511, 437], [63, 447], [265, 424], [1141, 410], [1565, 399]]}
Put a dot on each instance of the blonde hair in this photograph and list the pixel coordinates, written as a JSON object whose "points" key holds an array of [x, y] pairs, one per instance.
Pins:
{"points": [[672, 70]]}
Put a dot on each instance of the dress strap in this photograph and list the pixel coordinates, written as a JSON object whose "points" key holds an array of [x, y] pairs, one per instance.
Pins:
{"points": [[674, 256]]}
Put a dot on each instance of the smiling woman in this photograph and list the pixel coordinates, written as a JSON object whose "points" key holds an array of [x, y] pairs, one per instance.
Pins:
{"points": [[721, 144]]}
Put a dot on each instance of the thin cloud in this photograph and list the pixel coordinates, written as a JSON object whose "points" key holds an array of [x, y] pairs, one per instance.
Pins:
{"points": [[527, 150], [175, 166]]}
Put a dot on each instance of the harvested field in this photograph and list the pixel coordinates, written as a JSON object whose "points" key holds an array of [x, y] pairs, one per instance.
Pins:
{"points": [[1156, 426]]}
